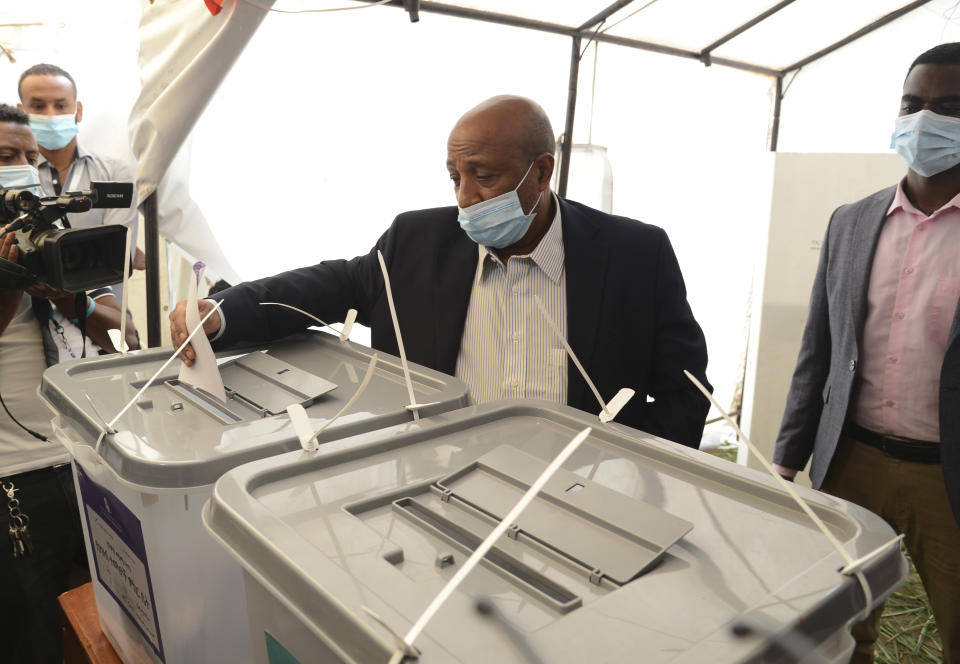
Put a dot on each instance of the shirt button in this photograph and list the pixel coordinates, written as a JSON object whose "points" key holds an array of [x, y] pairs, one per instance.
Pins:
{"points": [[516, 337], [909, 270], [899, 315], [853, 365], [892, 359], [888, 404], [516, 289], [921, 227]]}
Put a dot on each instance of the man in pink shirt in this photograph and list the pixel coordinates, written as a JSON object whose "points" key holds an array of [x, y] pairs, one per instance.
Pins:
{"points": [[875, 396]]}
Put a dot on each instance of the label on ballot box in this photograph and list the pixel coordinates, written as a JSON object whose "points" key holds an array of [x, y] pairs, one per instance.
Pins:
{"points": [[120, 557]]}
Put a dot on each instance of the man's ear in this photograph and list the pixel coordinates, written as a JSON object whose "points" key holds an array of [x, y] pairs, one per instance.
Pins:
{"points": [[544, 168], [19, 106], [79, 111]]}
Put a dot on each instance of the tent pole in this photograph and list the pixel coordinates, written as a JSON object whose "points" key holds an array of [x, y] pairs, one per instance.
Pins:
{"points": [[151, 248], [604, 15], [567, 144], [705, 53], [775, 127]]}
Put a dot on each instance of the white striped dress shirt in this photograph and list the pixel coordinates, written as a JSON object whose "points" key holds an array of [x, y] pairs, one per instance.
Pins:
{"points": [[508, 348]]}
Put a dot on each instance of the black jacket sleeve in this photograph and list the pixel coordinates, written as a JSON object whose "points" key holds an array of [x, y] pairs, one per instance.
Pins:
{"points": [[326, 290]]}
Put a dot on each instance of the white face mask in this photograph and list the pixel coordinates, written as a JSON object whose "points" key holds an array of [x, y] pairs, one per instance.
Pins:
{"points": [[500, 221], [927, 141], [53, 131], [22, 176]]}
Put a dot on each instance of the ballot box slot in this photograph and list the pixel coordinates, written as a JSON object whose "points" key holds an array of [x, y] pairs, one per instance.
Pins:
{"points": [[607, 534], [555, 595], [268, 385], [204, 401]]}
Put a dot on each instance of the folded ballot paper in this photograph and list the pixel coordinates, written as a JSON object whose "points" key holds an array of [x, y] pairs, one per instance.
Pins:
{"points": [[204, 374]]}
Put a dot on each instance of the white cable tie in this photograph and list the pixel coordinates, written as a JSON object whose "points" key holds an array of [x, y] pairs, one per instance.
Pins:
{"points": [[107, 428], [310, 316], [867, 596], [348, 325], [265, 8], [403, 649], [216, 307], [396, 329], [583, 372], [419, 406], [861, 562], [96, 446], [312, 442], [301, 424], [497, 532], [116, 338], [618, 401], [787, 486]]}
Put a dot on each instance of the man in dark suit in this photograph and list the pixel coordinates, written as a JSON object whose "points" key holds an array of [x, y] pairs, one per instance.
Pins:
{"points": [[465, 291], [875, 397]]}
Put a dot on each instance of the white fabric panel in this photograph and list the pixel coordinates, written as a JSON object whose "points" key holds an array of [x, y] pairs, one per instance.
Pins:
{"points": [[183, 223], [185, 53]]}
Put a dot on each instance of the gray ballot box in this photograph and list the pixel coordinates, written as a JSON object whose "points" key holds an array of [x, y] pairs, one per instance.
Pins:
{"points": [[637, 550], [165, 591]]}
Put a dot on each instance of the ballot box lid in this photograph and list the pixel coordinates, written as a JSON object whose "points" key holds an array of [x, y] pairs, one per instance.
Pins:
{"points": [[638, 549], [176, 436]]}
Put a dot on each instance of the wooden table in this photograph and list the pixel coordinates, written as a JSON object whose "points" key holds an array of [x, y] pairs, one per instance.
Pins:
{"points": [[83, 642]]}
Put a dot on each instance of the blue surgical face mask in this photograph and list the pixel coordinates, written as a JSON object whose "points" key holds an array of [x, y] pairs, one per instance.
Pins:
{"points": [[928, 142], [499, 221], [20, 177], [53, 131]]}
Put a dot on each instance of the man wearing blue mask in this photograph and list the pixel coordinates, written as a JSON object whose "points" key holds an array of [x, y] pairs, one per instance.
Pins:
{"points": [[38, 507], [875, 397], [466, 281], [49, 95]]}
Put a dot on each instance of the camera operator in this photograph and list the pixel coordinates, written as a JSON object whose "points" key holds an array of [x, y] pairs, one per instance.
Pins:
{"points": [[49, 95], [35, 332]]}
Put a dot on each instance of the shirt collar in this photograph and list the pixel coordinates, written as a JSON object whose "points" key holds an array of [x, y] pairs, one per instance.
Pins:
{"points": [[548, 255], [82, 153], [901, 202]]}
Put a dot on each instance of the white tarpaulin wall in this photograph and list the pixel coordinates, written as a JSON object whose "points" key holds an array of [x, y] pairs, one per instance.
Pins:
{"points": [[328, 125]]}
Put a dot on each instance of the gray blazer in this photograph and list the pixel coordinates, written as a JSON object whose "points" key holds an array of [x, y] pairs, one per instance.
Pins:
{"points": [[826, 370]]}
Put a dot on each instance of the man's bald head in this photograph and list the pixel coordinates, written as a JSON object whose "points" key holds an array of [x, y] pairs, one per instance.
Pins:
{"points": [[510, 123], [505, 144]]}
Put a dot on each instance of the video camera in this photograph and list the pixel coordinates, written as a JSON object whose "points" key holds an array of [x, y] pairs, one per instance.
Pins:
{"points": [[69, 259]]}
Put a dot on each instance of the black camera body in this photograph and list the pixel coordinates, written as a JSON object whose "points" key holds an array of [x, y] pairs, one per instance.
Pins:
{"points": [[69, 259]]}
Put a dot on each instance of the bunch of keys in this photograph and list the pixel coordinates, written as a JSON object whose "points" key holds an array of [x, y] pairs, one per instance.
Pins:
{"points": [[18, 529]]}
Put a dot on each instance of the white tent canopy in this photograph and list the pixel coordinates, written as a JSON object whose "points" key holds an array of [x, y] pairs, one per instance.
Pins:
{"points": [[278, 140]]}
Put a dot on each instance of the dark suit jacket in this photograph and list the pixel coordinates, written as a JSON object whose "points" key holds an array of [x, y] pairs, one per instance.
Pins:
{"points": [[824, 378], [628, 317]]}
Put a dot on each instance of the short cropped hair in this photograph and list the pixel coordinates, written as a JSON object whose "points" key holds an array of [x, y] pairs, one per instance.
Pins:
{"points": [[942, 54], [540, 136], [44, 69], [13, 114]]}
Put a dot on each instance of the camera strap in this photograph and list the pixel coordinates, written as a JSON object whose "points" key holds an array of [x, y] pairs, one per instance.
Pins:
{"points": [[14, 276], [80, 305]]}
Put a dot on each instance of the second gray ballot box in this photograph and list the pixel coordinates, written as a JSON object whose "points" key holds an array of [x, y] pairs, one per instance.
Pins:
{"points": [[637, 550]]}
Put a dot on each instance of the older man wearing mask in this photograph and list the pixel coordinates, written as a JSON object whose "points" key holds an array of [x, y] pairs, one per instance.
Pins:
{"points": [[464, 280]]}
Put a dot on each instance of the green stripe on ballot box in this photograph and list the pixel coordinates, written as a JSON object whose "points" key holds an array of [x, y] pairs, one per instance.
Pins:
{"points": [[276, 653]]}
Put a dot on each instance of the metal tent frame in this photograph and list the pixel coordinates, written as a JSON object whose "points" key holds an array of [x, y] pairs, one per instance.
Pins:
{"points": [[589, 31], [592, 31]]}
